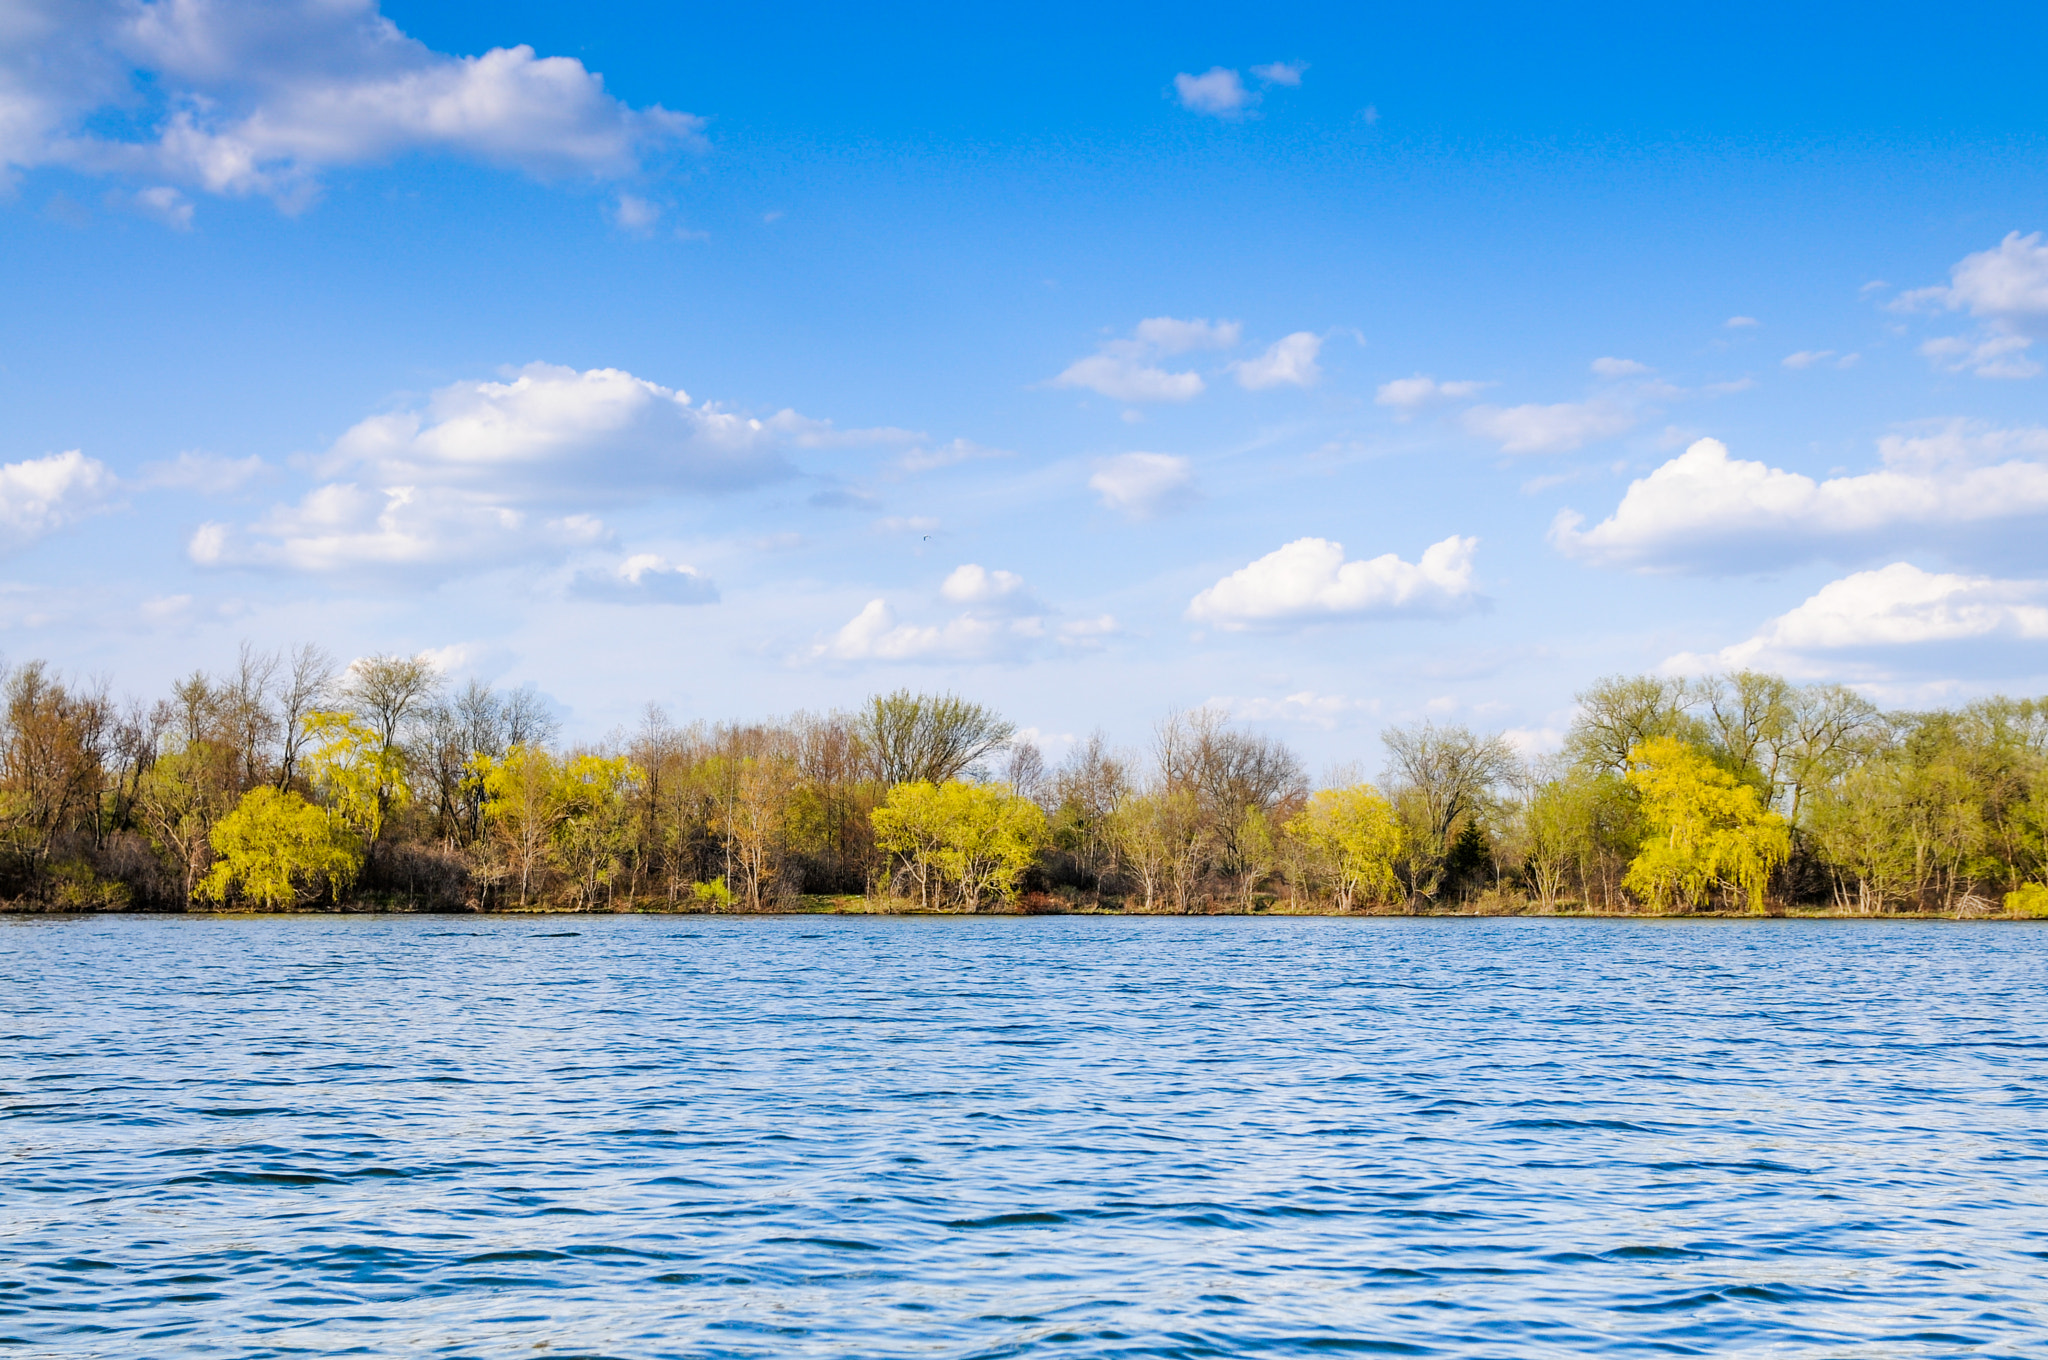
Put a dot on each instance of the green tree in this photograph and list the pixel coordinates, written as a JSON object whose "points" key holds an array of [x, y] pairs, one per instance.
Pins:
{"points": [[276, 850], [1706, 828]]}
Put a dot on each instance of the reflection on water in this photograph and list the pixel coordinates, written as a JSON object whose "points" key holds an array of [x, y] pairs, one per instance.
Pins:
{"points": [[829, 1137]]}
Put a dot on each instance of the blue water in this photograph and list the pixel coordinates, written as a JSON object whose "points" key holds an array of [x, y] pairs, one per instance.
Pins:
{"points": [[608, 1136]]}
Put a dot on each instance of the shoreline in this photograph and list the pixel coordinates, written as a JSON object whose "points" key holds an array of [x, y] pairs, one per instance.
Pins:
{"points": [[858, 907]]}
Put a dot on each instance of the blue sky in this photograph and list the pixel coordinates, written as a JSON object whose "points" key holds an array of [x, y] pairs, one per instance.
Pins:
{"points": [[755, 359]]}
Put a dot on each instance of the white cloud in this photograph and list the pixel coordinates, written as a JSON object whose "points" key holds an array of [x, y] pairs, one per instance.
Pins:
{"points": [[875, 634], [1557, 428], [972, 583], [1736, 323], [1287, 362], [1893, 609], [1309, 579], [1409, 395], [260, 96], [603, 432], [1219, 91], [344, 526], [1987, 356], [1125, 369], [644, 578], [1126, 379], [1142, 484], [483, 473], [1620, 368], [41, 495], [207, 473], [1281, 72], [2007, 288], [2009, 281], [1807, 358], [1704, 510]]}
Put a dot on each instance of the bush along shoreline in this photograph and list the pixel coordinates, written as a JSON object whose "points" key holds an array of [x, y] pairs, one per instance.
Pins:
{"points": [[289, 783]]}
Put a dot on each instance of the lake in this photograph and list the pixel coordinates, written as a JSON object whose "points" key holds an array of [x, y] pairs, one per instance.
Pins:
{"points": [[1072, 1136]]}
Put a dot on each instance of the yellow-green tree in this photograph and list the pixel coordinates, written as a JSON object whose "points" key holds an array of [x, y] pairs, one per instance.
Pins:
{"points": [[276, 849], [974, 840], [991, 837], [1357, 833], [354, 771], [591, 827], [521, 808], [1705, 828]]}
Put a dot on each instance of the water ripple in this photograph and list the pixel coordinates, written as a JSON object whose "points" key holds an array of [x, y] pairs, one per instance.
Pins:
{"points": [[609, 1137]]}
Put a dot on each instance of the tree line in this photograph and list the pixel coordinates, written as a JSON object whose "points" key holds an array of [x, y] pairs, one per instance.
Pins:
{"points": [[289, 781]]}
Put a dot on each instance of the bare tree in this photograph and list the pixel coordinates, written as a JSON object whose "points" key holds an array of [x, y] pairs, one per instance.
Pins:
{"points": [[911, 737], [388, 690], [1620, 713], [308, 687], [1441, 777]]}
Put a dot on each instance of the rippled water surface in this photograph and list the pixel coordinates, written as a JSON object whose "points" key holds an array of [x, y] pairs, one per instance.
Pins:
{"points": [[855, 1137]]}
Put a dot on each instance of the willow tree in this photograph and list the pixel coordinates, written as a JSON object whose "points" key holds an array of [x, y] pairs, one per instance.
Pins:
{"points": [[276, 850], [1706, 829]]}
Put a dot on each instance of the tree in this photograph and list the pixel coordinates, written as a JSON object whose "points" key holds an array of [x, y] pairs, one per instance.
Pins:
{"points": [[910, 824], [308, 685], [1442, 776], [355, 772], [927, 738], [590, 820], [521, 808], [989, 838], [276, 850], [972, 841], [1356, 832], [1706, 829], [1621, 712]]}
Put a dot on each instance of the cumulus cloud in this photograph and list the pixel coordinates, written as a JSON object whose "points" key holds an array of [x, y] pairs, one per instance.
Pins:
{"points": [[41, 495], [1409, 395], [973, 584], [1218, 91], [1143, 484], [998, 620], [1557, 428], [609, 434], [1309, 579], [644, 578], [1880, 617], [1620, 368], [260, 96], [485, 472], [1125, 369], [1287, 362], [1704, 510]]}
